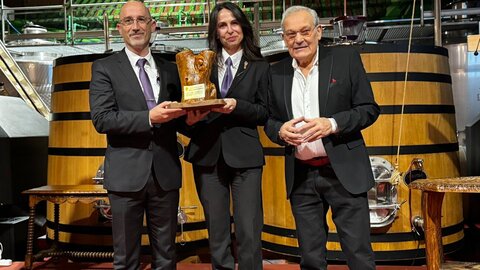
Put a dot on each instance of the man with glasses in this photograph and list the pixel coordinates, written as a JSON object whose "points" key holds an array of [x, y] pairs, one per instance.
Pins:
{"points": [[320, 100], [129, 96]]}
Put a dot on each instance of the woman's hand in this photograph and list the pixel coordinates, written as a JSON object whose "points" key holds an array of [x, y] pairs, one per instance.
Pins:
{"points": [[230, 105]]}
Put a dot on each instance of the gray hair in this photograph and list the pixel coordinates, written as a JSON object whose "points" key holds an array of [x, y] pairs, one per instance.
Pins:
{"points": [[294, 9]]}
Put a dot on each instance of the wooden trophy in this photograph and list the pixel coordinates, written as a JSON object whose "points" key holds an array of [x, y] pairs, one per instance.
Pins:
{"points": [[198, 93]]}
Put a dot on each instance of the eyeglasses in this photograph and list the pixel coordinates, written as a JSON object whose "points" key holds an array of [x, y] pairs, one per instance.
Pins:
{"points": [[140, 20], [305, 33]]}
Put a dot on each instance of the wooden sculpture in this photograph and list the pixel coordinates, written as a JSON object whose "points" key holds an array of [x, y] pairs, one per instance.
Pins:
{"points": [[194, 71]]}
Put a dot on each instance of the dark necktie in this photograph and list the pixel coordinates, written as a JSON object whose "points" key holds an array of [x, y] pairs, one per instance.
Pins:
{"points": [[228, 78], [146, 85]]}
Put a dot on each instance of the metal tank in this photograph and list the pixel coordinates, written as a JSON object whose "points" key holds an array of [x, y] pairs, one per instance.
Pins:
{"points": [[38, 67], [465, 73]]}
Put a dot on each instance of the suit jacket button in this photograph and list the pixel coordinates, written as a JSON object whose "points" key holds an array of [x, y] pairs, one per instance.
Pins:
{"points": [[150, 146]]}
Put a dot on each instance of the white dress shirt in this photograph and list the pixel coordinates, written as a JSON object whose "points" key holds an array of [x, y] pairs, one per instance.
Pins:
{"points": [[236, 58], [150, 68], [305, 103]]}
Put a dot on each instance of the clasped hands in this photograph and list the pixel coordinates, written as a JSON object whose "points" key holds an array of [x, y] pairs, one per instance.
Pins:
{"points": [[303, 130]]}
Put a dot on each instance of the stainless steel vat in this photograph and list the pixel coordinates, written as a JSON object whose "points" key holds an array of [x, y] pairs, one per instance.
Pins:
{"points": [[38, 67]]}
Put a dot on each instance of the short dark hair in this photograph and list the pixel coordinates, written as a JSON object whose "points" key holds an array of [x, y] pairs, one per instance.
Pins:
{"points": [[251, 50]]}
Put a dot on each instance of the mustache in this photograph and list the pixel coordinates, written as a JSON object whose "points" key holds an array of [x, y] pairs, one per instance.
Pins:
{"points": [[136, 33]]}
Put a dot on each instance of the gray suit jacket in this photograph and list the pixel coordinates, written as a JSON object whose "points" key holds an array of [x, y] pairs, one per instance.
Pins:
{"points": [[118, 109], [345, 94]]}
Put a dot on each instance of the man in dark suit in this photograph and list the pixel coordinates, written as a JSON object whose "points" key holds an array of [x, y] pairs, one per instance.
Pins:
{"points": [[142, 169], [319, 102], [225, 149]]}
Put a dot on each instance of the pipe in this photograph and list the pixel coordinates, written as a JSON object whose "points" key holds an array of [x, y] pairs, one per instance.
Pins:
{"points": [[273, 10], [256, 22], [422, 16], [454, 12], [364, 8], [65, 22], [33, 7], [437, 29], [2, 35], [106, 32]]}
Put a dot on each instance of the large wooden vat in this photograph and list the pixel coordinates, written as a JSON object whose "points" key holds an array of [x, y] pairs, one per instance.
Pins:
{"points": [[76, 151], [429, 132]]}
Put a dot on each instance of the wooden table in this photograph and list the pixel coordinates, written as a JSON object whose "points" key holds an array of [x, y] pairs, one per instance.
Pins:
{"points": [[59, 194], [433, 193]]}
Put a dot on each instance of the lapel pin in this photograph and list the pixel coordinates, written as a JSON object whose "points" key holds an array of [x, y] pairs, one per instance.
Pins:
{"points": [[245, 65]]}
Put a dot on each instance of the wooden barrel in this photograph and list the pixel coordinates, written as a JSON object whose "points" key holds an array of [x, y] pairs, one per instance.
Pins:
{"points": [[75, 153], [429, 133]]}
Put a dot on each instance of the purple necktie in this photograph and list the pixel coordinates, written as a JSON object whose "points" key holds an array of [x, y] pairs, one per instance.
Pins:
{"points": [[146, 85], [228, 78]]}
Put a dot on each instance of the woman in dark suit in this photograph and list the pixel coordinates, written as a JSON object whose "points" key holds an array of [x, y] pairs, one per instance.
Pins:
{"points": [[224, 149]]}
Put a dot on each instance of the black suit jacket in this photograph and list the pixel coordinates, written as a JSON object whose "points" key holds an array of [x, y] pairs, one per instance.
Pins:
{"points": [[234, 135], [345, 94], [118, 109]]}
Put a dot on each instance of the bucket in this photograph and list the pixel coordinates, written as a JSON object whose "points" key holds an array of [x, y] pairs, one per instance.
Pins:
{"points": [[429, 133], [75, 153]]}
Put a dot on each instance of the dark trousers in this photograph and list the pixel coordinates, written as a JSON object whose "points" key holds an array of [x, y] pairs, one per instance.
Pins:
{"points": [[128, 209], [316, 190], [214, 185]]}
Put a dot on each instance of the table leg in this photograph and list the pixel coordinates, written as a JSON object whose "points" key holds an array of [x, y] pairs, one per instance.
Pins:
{"points": [[432, 209], [30, 233], [56, 220]]}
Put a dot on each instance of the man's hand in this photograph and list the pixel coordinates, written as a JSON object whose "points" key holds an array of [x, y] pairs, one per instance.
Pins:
{"points": [[194, 116], [289, 133], [230, 105], [315, 129], [161, 113]]}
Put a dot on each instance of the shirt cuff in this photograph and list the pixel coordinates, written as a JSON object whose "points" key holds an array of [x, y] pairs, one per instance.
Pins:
{"points": [[334, 125], [149, 120]]}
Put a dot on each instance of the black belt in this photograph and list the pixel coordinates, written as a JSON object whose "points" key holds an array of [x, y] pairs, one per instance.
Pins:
{"points": [[316, 162]]}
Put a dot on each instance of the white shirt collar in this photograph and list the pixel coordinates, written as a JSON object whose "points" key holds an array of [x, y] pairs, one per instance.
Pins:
{"points": [[236, 57], [315, 63], [133, 58]]}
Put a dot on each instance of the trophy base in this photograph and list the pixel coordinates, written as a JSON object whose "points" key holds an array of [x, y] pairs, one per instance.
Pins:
{"points": [[204, 105]]}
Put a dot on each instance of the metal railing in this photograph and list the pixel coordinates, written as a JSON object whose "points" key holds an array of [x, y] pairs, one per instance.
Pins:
{"points": [[188, 16], [181, 23]]}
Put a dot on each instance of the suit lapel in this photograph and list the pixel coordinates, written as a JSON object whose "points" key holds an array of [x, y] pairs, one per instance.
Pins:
{"points": [[242, 68], [129, 75], [128, 72], [287, 87], [325, 63], [214, 79], [162, 76]]}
